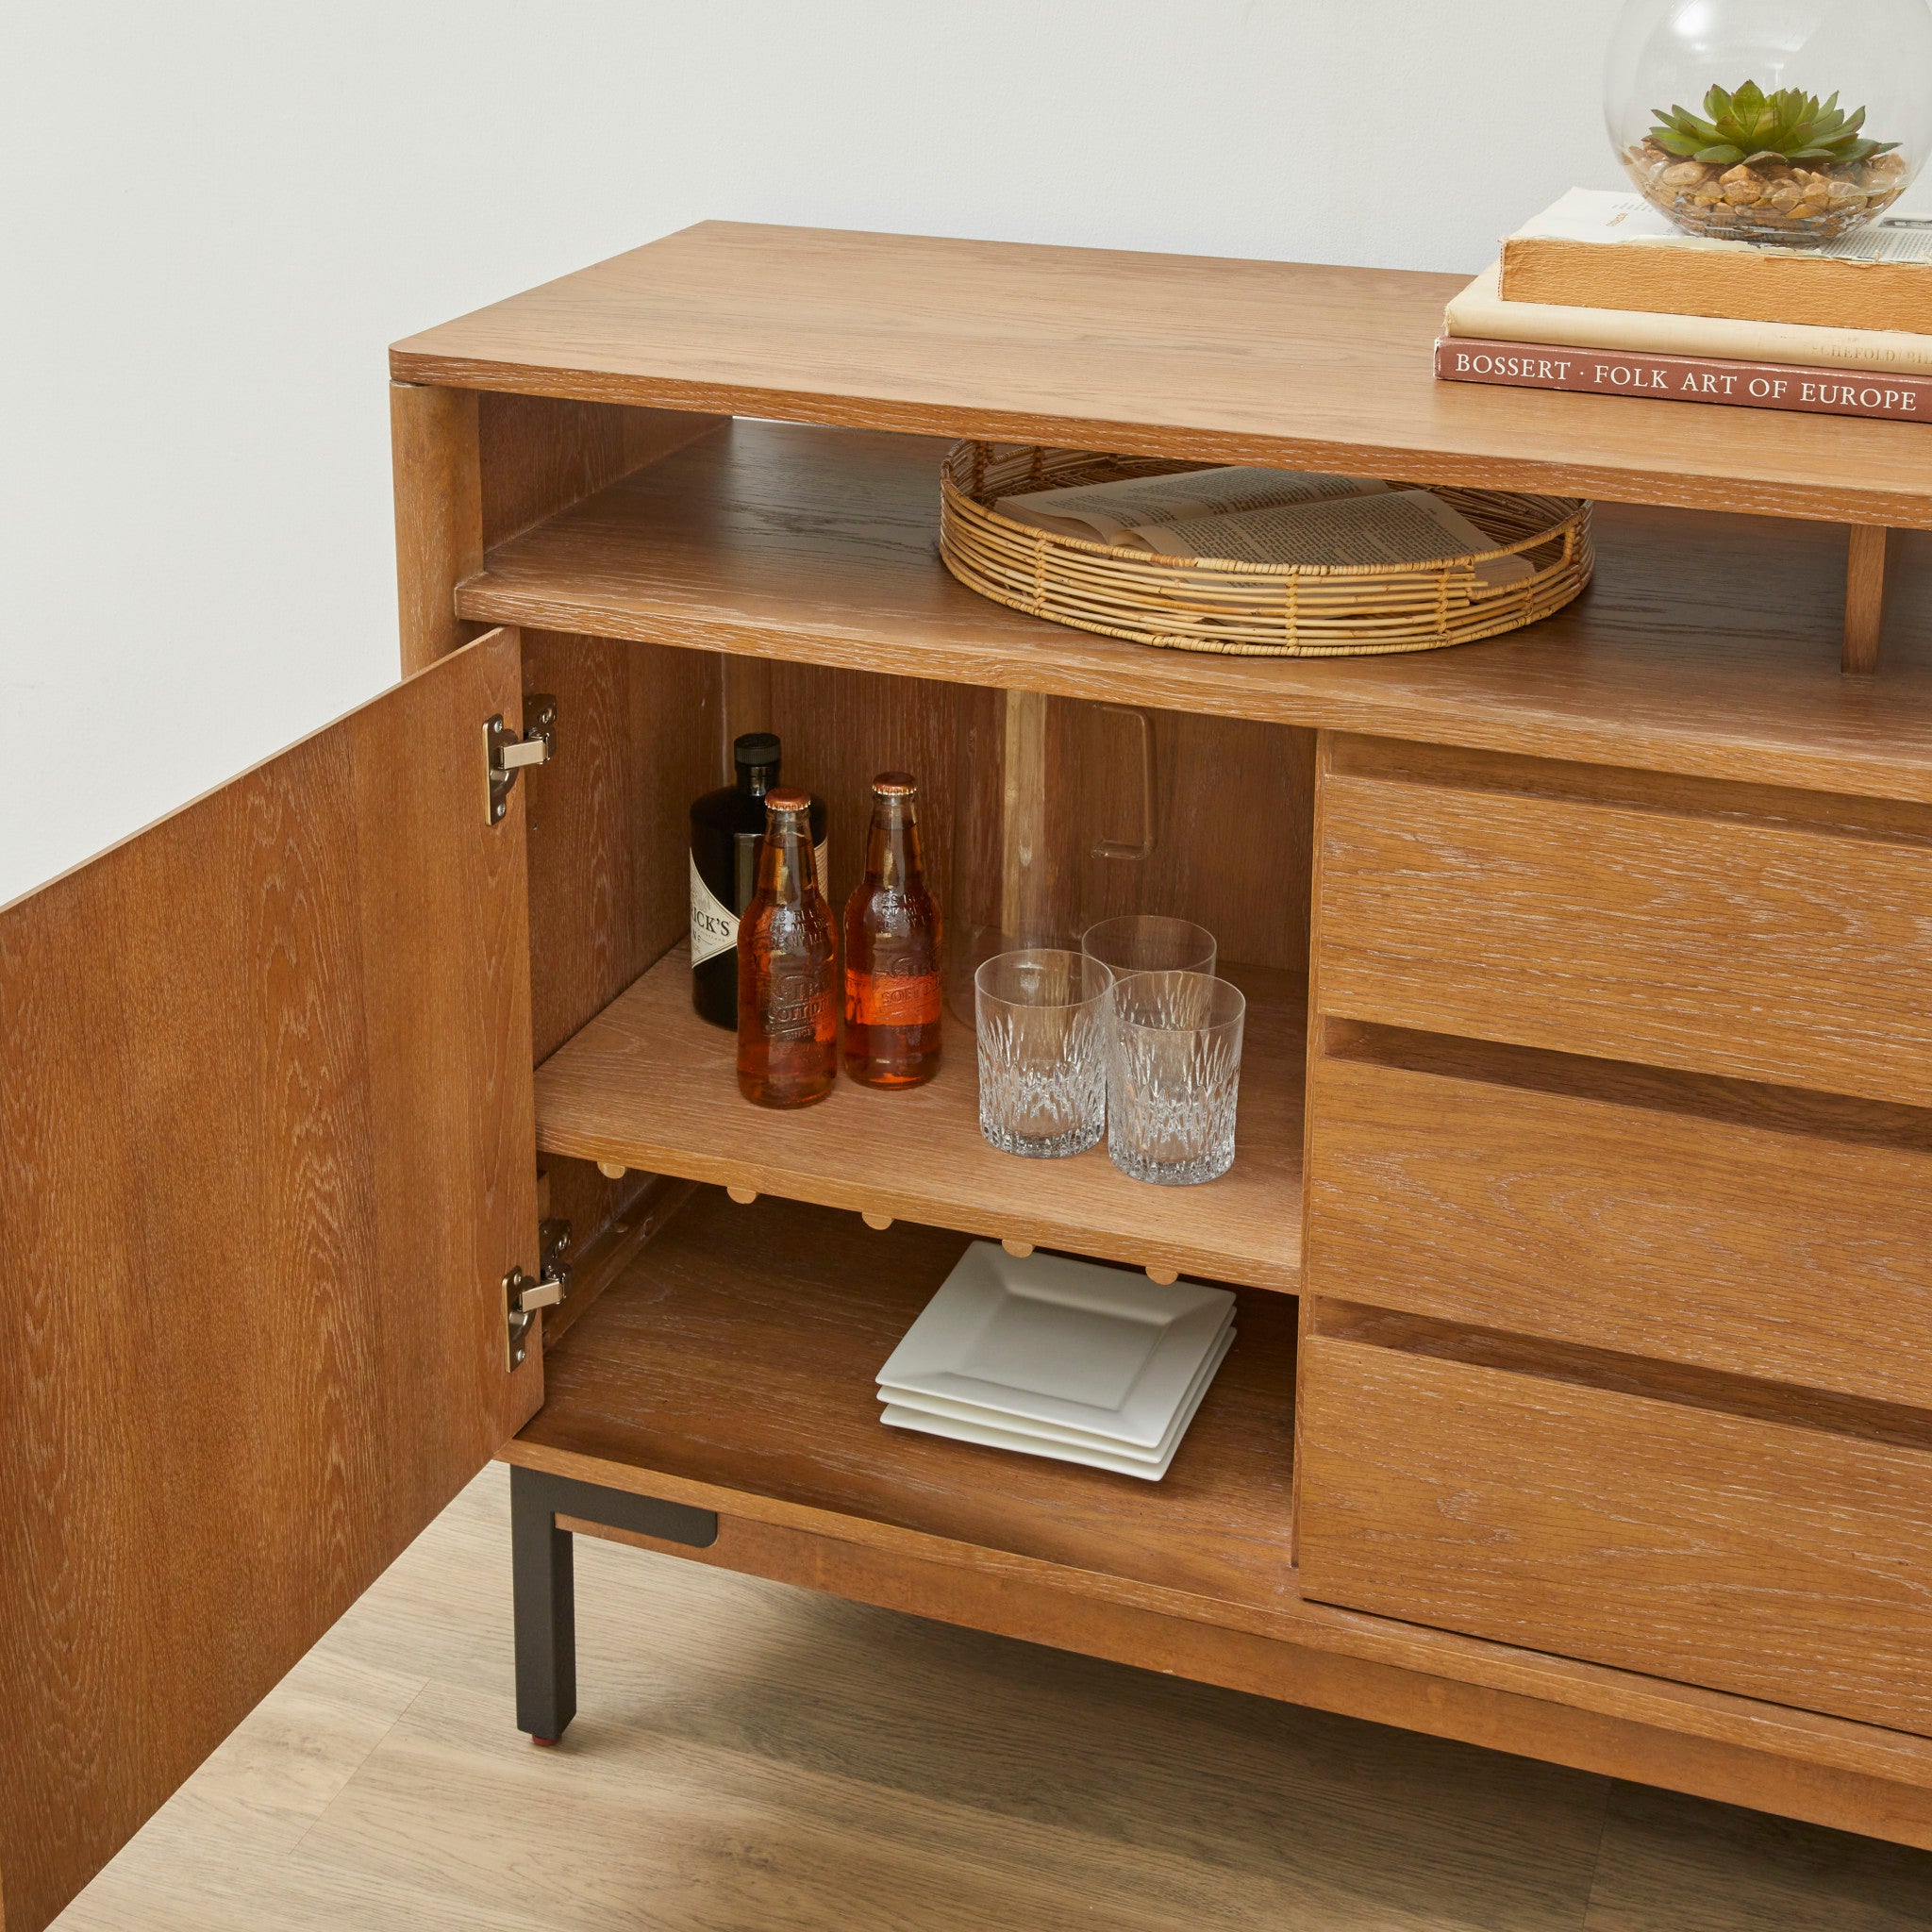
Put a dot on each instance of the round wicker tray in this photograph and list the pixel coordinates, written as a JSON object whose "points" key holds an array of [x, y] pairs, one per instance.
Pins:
{"points": [[1247, 609]]}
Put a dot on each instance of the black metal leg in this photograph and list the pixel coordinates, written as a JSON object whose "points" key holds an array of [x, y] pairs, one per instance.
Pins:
{"points": [[543, 1582]]}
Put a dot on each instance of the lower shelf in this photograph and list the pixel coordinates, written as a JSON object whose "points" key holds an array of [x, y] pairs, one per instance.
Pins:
{"points": [[649, 1084], [740, 1352], [730, 1368]]}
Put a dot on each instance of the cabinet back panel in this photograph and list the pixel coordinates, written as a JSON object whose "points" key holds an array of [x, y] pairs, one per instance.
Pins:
{"points": [[1230, 803]]}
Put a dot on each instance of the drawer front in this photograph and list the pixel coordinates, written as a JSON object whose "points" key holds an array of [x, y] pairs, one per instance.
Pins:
{"points": [[1724, 929], [1769, 1234], [1768, 1560]]}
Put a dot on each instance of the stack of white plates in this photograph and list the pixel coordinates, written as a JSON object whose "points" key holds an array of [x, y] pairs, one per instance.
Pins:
{"points": [[1061, 1358]]}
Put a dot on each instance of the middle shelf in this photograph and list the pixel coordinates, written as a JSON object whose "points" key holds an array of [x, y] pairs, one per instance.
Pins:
{"points": [[648, 1084]]}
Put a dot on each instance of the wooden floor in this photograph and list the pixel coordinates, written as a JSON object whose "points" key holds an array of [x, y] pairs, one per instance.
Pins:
{"points": [[753, 1758]]}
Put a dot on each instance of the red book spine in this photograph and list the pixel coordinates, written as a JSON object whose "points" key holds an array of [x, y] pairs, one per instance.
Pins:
{"points": [[1686, 379]]}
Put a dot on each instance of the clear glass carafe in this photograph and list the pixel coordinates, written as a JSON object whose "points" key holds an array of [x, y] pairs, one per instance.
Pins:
{"points": [[1057, 822]]}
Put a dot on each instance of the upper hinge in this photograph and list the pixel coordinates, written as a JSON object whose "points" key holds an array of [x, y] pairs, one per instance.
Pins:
{"points": [[522, 1297], [505, 754]]}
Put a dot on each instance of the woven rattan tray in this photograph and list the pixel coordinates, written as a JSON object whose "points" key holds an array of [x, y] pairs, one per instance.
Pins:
{"points": [[1247, 609]]}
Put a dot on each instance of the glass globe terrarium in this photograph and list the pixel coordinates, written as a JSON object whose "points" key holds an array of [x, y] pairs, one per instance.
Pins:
{"points": [[1786, 122]]}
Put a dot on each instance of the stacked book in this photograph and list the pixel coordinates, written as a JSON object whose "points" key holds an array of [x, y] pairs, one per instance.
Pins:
{"points": [[1600, 293], [1062, 1358]]}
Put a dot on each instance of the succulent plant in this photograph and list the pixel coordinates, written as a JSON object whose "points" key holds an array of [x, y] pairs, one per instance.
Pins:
{"points": [[1752, 125]]}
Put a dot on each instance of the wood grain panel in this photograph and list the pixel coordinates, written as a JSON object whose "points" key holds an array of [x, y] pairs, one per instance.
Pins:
{"points": [[266, 1121], [539, 454], [1227, 818], [1757, 1230], [840, 728], [649, 1084], [1768, 1560], [1708, 645], [1774, 937], [609, 818], [439, 516], [1233, 362]]}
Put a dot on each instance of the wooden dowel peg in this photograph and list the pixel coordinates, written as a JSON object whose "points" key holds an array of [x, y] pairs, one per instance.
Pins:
{"points": [[612, 1170], [1163, 1277], [744, 1196], [881, 1221], [1019, 1250], [1864, 600]]}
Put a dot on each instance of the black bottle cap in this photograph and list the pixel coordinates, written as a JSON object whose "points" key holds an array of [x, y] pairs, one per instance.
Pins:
{"points": [[756, 748]]}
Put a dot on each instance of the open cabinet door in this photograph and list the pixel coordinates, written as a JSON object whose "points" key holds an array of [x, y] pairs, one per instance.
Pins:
{"points": [[267, 1150]]}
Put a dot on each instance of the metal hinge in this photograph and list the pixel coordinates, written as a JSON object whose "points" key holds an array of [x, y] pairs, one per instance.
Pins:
{"points": [[505, 754], [522, 1297]]}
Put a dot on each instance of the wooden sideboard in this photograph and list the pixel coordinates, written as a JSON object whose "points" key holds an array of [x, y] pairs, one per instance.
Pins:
{"points": [[1583, 1401]]}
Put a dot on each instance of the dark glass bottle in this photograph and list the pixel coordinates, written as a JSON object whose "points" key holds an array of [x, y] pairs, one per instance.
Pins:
{"points": [[727, 827], [893, 965], [788, 968]]}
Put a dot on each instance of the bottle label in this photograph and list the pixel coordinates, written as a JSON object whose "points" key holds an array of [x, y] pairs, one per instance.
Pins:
{"points": [[896, 999], [713, 925], [822, 858]]}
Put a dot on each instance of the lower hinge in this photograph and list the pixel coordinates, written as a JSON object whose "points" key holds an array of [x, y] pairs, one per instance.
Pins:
{"points": [[522, 1297], [505, 754]]}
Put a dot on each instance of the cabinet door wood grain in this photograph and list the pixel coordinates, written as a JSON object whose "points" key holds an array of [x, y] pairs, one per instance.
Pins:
{"points": [[1755, 1230], [266, 1152], [1719, 928], [1777, 1561]]}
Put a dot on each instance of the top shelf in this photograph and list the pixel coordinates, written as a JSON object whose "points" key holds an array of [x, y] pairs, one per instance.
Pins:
{"points": [[1708, 646], [1281, 363]]}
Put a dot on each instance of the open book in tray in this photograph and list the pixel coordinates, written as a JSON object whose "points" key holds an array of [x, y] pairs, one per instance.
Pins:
{"points": [[1255, 604]]}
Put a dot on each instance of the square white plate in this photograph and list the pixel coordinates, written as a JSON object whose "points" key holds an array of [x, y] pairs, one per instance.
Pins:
{"points": [[898, 1417], [1100, 1351], [1052, 1432]]}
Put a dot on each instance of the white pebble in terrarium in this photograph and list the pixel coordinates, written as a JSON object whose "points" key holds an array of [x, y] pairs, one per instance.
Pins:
{"points": [[1779, 122]]}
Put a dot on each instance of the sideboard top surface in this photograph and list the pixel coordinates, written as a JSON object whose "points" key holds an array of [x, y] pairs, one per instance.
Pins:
{"points": [[1284, 363]]}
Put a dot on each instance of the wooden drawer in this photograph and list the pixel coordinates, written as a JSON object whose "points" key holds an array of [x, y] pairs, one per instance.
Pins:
{"points": [[1750, 1555], [1724, 929], [1757, 1230]]}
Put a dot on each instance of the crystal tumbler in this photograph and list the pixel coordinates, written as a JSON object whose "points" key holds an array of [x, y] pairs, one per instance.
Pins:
{"points": [[1174, 1077], [1041, 1016], [1148, 943]]}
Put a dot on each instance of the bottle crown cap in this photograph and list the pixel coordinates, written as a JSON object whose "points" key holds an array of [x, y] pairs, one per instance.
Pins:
{"points": [[756, 748], [785, 800], [895, 785]]}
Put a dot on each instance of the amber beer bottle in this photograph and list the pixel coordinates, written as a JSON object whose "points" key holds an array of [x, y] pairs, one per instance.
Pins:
{"points": [[892, 981], [788, 967], [728, 828]]}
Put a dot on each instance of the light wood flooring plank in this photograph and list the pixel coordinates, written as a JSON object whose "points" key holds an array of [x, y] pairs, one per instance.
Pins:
{"points": [[1673, 1864]]}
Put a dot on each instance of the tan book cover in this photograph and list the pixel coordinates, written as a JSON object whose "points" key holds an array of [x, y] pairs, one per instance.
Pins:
{"points": [[1481, 312], [1607, 250]]}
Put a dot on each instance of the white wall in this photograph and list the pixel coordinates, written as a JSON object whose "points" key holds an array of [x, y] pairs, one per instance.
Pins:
{"points": [[216, 218]]}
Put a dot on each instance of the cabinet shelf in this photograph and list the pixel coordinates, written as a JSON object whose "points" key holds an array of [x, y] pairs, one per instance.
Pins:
{"points": [[1708, 644], [739, 1352], [649, 1085]]}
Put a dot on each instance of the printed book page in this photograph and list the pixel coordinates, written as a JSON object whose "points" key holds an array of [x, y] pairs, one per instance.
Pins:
{"points": [[1618, 217], [1121, 513], [1400, 526]]}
